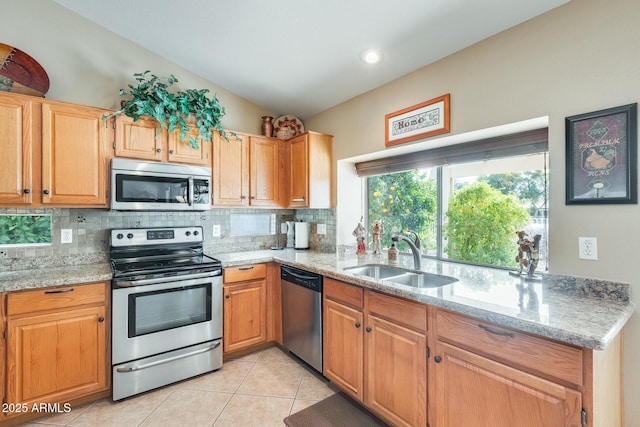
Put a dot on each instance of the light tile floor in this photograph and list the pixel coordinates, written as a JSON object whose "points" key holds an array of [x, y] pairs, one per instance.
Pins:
{"points": [[259, 389]]}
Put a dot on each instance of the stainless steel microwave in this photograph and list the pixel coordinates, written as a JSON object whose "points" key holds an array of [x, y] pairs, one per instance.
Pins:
{"points": [[154, 186]]}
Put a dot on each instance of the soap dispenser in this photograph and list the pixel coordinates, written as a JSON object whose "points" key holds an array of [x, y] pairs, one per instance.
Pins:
{"points": [[392, 254]]}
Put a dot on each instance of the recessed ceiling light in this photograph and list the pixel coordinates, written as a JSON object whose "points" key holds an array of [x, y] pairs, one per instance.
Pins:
{"points": [[371, 56]]}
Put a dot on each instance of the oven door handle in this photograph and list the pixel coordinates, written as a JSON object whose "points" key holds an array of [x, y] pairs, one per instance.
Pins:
{"points": [[133, 283], [134, 368]]}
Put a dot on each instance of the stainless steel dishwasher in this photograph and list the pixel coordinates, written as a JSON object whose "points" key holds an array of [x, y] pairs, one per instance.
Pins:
{"points": [[302, 314]]}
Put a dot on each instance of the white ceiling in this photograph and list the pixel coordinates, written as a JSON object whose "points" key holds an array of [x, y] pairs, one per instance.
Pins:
{"points": [[303, 56]]}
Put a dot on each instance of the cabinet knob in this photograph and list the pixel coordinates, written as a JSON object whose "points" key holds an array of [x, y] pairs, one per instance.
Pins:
{"points": [[227, 296], [357, 324], [253, 197], [158, 150], [100, 319], [243, 197], [45, 191], [437, 359], [170, 151], [26, 191], [368, 329]]}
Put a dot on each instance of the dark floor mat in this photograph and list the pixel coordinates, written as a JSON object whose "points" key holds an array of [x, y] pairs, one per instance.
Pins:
{"points": [[334, 411]]}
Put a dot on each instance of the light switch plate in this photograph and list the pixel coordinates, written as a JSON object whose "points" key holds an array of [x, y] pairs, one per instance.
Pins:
{"points": [[216, 230], [321, 228]]}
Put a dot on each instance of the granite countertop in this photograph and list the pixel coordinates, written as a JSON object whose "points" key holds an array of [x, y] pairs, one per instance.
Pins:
{"points": [[584, 312], [54, 276]]}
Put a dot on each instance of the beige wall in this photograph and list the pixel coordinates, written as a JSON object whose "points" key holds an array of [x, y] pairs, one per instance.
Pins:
{"points": [[578, 58], [88, 64]]}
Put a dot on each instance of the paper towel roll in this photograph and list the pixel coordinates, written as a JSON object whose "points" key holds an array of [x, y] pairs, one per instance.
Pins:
{"points": [[302, 235]]}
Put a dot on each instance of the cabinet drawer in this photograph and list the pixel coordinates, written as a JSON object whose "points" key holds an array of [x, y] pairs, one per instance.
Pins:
{"points": [[342, 292], [535, 354], [55, 298], [410, 314], [245, 272]]}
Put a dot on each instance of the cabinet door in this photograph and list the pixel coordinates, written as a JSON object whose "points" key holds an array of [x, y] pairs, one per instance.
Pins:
{"points": [[473, 390], [74, 155], [264, 172], [139, 139], [343, 347], [56, 357], [182, 152], [16, 146], [396, 372], [245, 319], [230, 171], [299, 172]]}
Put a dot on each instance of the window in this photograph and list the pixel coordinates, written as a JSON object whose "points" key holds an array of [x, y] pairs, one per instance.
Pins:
{"points": [[466, 209]]}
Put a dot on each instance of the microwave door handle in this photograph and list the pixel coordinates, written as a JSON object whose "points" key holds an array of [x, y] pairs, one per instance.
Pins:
{"points": [[191, 191]]}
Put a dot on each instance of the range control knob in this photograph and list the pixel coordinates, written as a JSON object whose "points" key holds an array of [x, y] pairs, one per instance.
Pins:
{"points": [[188, 233], [195, 232], [119, 236], [130, 236]]}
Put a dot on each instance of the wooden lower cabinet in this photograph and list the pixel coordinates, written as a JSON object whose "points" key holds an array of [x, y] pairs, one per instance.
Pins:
{"points": [[57, 344], [489, 375], [245, 302], [344, 347], [375, 349], [474, 390], [479, 373]]}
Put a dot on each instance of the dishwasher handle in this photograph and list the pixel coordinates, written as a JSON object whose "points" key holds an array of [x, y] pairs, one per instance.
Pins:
{"points": [[301, 278]]}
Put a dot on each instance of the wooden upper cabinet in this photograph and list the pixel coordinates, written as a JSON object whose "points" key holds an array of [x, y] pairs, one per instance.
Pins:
{"points": [[16, 146], [246, 171], [53, 153], [230, 170], [138, 140], [182, 152], [74, 155], [310, 183], [264, 175]]}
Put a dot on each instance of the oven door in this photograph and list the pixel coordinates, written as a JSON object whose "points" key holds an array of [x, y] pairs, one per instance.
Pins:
{"points": [[151, 318]]}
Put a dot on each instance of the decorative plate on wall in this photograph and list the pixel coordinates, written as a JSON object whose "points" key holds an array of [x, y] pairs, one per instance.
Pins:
{"points": [[20, 73], [286, 127]]}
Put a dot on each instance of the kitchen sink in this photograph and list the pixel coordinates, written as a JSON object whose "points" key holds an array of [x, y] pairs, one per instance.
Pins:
{"points": [[401, 276], [375, 271], [422, 280]]}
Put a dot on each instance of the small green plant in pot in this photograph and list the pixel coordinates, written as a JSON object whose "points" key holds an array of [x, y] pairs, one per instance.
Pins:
{"points": [[173, 110]]}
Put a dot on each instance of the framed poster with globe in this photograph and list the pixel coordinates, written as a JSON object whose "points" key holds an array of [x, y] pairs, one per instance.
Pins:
{"points": [[602, 156]]}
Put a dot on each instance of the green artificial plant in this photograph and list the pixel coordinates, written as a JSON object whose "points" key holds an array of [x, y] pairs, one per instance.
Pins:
{"points": [[173, 109]]}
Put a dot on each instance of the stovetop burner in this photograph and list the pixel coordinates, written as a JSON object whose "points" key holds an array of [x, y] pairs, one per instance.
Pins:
{"points": [[158, 251]]}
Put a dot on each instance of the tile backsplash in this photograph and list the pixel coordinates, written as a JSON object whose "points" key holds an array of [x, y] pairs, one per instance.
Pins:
{"points": [[90, 233]]}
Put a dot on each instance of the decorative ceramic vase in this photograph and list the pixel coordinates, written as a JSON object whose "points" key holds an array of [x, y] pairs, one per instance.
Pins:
{"points": [[267, 126]]}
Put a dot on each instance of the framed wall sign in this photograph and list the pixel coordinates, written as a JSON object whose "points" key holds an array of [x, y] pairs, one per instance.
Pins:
{"points": [[419, 121], [602, 156]]}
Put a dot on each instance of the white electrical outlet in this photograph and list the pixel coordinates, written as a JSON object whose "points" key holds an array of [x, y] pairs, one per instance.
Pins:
{"points": [[588, 248], [321, 228], [216, 230], [66, 235]]}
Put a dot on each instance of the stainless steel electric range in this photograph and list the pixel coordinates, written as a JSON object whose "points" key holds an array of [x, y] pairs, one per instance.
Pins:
{"points": [[166, 308]]}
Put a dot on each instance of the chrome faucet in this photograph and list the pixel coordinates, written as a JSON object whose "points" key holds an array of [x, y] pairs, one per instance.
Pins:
{"points": [[415, 248]]}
